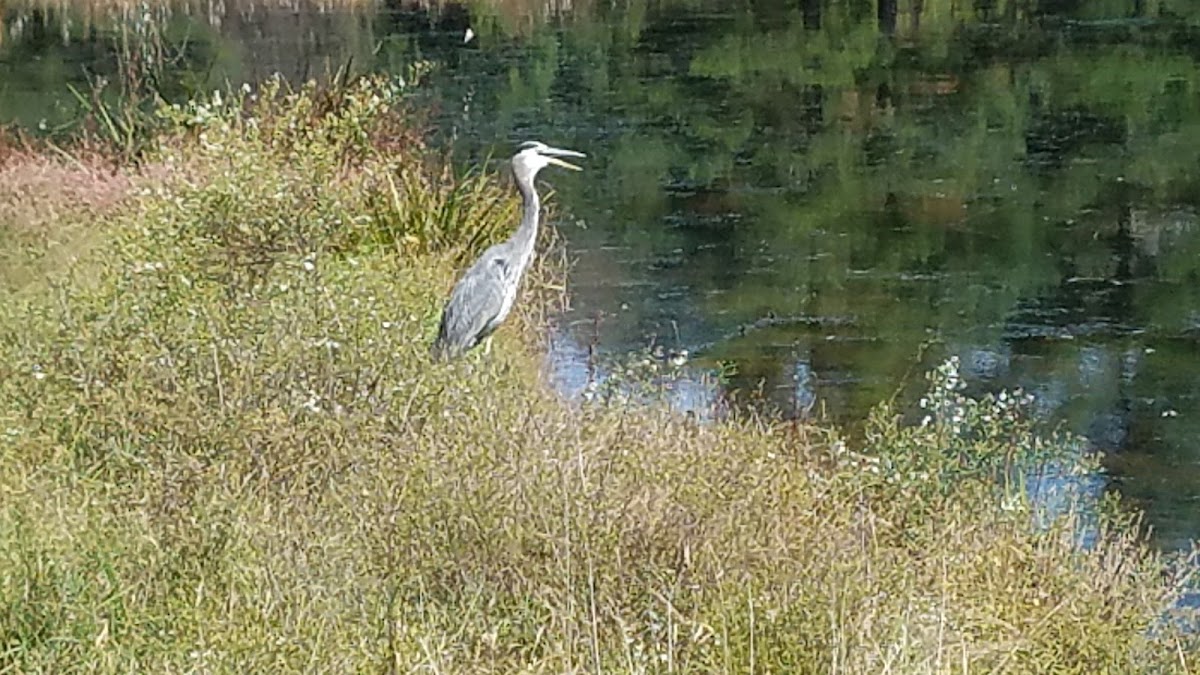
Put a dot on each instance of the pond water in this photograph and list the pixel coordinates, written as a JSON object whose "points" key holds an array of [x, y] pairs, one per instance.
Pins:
{"points": [[831, 195]]}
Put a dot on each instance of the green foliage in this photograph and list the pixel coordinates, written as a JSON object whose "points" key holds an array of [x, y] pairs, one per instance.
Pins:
{"points": [[122, 126], [439, 212], [347, 171], [991, 437]]}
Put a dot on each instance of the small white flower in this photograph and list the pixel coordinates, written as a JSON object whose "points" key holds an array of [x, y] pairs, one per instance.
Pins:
{"points": [[328, 342], [311, 404]]}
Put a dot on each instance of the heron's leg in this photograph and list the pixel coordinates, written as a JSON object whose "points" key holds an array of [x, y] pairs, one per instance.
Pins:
{"points": [[487, 345]]}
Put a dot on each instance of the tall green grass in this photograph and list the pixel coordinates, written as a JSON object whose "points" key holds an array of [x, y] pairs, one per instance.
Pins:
{"points": [[223, 448]]}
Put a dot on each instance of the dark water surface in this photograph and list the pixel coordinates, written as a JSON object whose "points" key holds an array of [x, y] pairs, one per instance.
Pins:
{"points": [[832, 195]]}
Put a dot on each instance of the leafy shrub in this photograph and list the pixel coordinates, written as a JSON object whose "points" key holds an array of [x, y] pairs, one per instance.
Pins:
{"points": [[348, 161]]}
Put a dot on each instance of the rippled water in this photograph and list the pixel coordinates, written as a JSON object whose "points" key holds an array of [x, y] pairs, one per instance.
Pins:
{"points": [[831, 196]]}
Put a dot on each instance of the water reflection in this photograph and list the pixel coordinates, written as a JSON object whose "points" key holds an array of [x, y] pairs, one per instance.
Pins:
{"points": [[833, 195]]}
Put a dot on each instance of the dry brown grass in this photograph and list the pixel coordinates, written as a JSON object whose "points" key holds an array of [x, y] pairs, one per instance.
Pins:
{"points": [[44, 188], [47, 201]]}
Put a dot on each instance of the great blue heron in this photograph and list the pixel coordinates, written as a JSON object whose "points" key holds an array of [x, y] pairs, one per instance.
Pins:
{"points": [[484, 296]]}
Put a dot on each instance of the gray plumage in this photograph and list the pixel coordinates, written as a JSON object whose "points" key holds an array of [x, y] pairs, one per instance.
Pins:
{"points": [[484, 296]]}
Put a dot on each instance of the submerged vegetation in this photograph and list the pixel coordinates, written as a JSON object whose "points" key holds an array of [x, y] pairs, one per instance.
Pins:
{"points": [[223, 449]]}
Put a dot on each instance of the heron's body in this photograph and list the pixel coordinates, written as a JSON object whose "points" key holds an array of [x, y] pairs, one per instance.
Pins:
{"points": [[484, 296]]}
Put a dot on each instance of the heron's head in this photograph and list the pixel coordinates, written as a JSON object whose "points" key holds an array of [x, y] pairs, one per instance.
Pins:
{"points": [[535, 156]]}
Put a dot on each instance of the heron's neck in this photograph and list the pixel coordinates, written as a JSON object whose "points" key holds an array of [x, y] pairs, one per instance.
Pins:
{"points": [[526, 235]]}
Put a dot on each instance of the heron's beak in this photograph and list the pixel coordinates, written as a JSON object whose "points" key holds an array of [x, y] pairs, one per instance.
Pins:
{"points": [[559, 162], [553, 153]]}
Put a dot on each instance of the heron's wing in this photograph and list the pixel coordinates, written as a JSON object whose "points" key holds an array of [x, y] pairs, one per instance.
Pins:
{"points": [[475, 304]]}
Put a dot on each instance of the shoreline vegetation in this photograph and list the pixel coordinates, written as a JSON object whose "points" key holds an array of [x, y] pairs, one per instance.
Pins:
{"points": [[223, 448]]}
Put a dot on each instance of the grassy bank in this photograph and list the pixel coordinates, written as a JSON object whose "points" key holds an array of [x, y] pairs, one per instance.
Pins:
{"points": [[223, 448]]}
